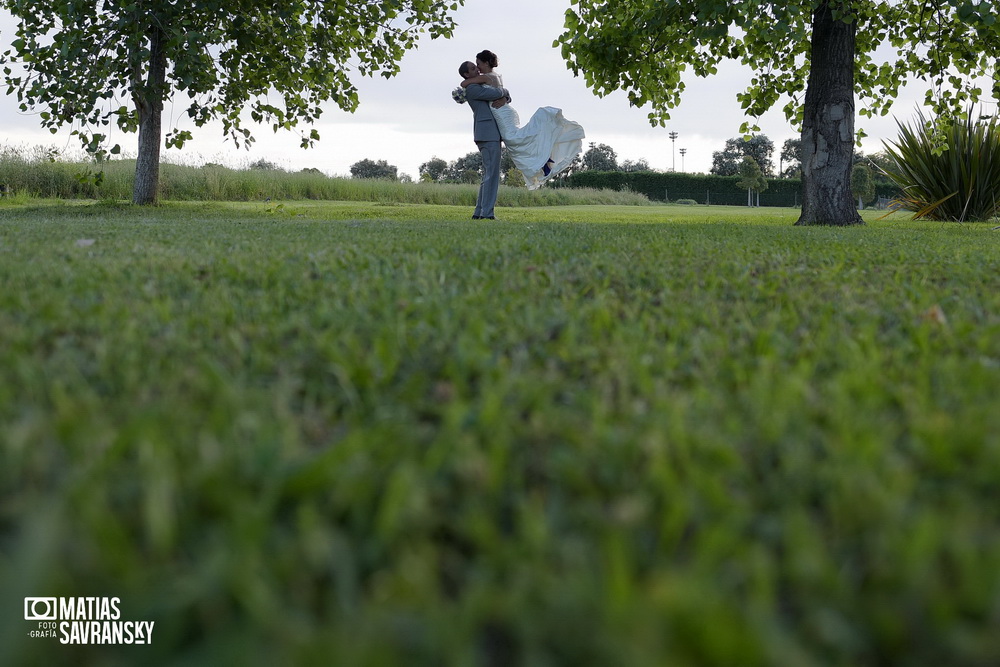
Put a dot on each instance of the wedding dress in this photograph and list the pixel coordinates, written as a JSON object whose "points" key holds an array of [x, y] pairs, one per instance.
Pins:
{"points": [[546, 136]]}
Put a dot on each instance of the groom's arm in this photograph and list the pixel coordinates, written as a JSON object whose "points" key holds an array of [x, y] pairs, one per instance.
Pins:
{"points": [[486, 93]]}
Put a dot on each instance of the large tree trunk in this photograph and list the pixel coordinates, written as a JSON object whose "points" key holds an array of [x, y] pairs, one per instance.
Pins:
{"points": [[148, 98], [828, 124]]}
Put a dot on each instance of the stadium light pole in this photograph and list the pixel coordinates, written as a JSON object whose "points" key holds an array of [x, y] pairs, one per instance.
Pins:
{"points": [[683, 153], [673, 158]]}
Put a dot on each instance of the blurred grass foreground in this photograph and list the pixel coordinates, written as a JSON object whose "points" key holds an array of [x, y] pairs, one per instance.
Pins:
{"points": [[389, 435]]}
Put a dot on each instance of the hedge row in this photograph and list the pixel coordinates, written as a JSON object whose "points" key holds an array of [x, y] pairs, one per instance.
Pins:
{"points": [[702, 188]]}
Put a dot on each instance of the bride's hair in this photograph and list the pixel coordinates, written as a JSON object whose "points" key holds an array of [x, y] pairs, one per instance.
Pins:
{"points": [[487, 57]]}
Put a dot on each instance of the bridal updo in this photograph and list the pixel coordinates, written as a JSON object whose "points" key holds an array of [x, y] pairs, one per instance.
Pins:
{"points": [[488, 57]]}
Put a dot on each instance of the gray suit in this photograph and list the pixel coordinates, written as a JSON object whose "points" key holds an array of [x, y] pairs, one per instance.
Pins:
{"points": [[487, 137]]}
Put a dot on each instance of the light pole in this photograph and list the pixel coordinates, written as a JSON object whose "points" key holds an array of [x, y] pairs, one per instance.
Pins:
{"points": [[673, 158], [683, 153]]}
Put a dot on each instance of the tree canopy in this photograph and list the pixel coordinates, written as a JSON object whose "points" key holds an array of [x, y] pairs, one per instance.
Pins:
{"points": [[834, 48], [279, 61], [751, 178], [371, 169], [652, 43], [600, 157], [862, 183], [759, 147]]}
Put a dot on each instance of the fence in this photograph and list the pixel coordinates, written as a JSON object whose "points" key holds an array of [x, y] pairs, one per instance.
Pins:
{"points": [[701, 188], [736, 198]]}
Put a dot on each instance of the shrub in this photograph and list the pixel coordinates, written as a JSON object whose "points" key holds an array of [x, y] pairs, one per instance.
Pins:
{"points": [[686, 202], [948, 170], [264, 165]]}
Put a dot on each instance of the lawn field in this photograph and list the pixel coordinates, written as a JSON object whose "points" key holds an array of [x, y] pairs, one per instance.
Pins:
{"points": [[385, 434]]}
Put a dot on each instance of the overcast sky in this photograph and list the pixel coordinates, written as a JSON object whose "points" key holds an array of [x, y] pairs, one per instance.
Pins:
{"points": [[410, 118]]}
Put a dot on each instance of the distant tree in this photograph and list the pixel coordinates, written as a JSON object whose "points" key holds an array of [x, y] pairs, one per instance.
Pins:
{"points": [[600, 157], [434, 169], [264, 165], [370, 169], [273, 62], [506, 165], [311, 170], [637, 165], [574, 167], [727, 161], [466, 169], [862, 183], [791, 158], [879, 162], [514, 178], [751, 178], [405, 178]]}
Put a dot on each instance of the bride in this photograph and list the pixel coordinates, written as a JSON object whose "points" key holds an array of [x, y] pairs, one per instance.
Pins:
{"points": [[544, 146]]}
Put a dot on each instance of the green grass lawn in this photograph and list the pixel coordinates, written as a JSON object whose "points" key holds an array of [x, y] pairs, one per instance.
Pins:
{"points": [[361, 434]]}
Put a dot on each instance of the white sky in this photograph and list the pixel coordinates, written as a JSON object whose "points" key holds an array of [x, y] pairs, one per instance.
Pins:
{"points": [[410, 118]]}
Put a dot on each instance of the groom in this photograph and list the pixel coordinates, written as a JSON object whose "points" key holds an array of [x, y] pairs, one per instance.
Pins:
{"points": [[487, 137]]}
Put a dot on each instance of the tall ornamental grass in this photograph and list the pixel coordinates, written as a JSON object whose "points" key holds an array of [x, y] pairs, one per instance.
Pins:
{"points": [[34, 172], [947, 170]]}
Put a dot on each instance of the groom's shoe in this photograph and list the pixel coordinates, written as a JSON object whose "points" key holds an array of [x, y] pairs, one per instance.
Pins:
{"points": [[477, 217]]}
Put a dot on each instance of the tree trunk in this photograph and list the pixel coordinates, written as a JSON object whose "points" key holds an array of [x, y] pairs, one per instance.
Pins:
{"points": [[828, 124], [148, 98]]}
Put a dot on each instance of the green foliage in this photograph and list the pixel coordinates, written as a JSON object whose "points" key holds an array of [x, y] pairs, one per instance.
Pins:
{"points": [[228, 59], [862, 183], [513, 178], [750, 176], [434, 169], [466, 169], [371, 169], [944, 42], [759, 147], [599, 157], [388, 435], [264, 165], [791, 159], [706, 189], [635, 165], [949, 169], [34, 173]]}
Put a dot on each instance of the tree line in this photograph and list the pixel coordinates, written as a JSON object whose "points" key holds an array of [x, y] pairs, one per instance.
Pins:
{"points": [[467, 169], [751, 159]]}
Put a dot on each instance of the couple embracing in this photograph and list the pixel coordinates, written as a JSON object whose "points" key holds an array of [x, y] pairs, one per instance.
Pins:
{"points": [[540, 149]]}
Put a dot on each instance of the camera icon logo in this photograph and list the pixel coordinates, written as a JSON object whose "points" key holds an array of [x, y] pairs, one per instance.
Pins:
{"points": [[41, 609]]}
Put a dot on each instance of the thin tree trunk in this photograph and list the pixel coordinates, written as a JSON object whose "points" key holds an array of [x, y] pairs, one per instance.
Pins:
{"points": [[148, 98], [828, 124]]}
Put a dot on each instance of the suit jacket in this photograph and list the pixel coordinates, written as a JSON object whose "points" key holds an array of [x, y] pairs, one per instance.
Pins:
{"points": [[479, 98]]}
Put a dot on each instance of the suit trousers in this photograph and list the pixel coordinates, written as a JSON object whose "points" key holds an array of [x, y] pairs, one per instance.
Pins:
{"points": [[490, 150]]}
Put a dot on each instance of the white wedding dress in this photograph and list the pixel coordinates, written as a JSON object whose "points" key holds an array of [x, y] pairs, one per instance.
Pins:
{"points": [[546, 136]]}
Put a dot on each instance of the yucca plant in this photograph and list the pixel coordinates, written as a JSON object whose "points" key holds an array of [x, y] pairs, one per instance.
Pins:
{"points": [[948, 170]]}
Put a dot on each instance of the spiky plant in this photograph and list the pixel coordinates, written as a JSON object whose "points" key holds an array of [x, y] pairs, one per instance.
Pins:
{"points": [[949, 169]]}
